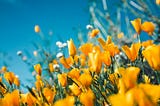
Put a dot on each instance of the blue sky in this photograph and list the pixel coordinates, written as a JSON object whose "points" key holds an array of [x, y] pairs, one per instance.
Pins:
{"points": [[18, 18]]}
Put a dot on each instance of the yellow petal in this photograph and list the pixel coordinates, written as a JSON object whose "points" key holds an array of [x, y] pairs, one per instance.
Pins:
{"points": [[137, 25], [94, 33], [37, 28], [148, 27], [71, 48], [62, 78], [38, 68]]}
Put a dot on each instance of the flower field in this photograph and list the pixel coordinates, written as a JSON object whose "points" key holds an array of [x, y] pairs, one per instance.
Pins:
{"points": [[103, 70]]}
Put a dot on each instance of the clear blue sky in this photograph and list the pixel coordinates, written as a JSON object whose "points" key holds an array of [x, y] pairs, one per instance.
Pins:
{"points": [[18, 17]]}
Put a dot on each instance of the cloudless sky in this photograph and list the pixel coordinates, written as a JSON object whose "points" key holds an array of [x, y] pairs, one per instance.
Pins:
{"points": [[18, 18]]}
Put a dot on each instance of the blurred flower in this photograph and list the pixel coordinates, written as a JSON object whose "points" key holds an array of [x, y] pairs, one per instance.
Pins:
{"points": [[137, 25], [152, 55], [63, 61], [85, 79], [158, 2], [16, 81], [129, 78], [120, 35], [75, 89], [24, 58], [68, 101], [49, 94], [94, 33], [35, 53], [105, 57], [148, 27], [74, 73], [60, 54], [62, 78], [147, 43], [89, 27], [11, 99], [37, 28], [38, 69], [86, 48], [9, 76], [71, 48], [87, 98], [19, 53], [132, 52], [4, 69]]}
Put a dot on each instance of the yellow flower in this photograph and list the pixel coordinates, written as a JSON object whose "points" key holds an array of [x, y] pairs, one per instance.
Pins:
{"points": [[62, 78], [31, 100], [105, 57], [113, 49], [39, 84], [102, 42], [137, 25], [16, 81], [4, 69], [147, 43], [129, 78], [74, 73], [68, 101], [87, 98], [94, 33], [38, 68], [49, 94], [95, 62], [9, 76], [70, 60], [51, 68], [82, 59], [158, 2], [132, 52], [75, 89], [86, 48], [85, 79], [37, 28], [120, 35], [71, 48], [148, 27], [11, 99], [63, 61], [152, 55]]}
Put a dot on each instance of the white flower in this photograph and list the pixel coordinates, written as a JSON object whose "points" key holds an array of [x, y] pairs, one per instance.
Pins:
{"points": [[89, 27], [58, 43], [55, 66], [24, 58], [35, 53], [19, 53], [60, 54], [64, 44]]}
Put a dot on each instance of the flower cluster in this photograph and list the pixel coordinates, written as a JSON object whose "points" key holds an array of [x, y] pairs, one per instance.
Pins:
{"points": [[97, 73]]}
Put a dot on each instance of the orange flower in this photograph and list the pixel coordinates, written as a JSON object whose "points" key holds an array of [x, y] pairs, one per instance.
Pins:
{"points": [[75, 89], [64, 62], [87, 98], [105, 57], [113, 49], [37, 29], [68, 101], [152, 55], [158, 2], [38, 68], [74, 73], [132, 52], [30, 99], [137, 25], [147, 43], [39, 84], [120, 35], [148, 27], [86, 48], [85, 79], [94, 33], [102, 42], [51, 68], [62, 78], [129, 78], [71, 48], [82, 59], [4, 69], [70, 60], [9, 76], [11, 99], [49, 94], [16, 81], [95, 62]]}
